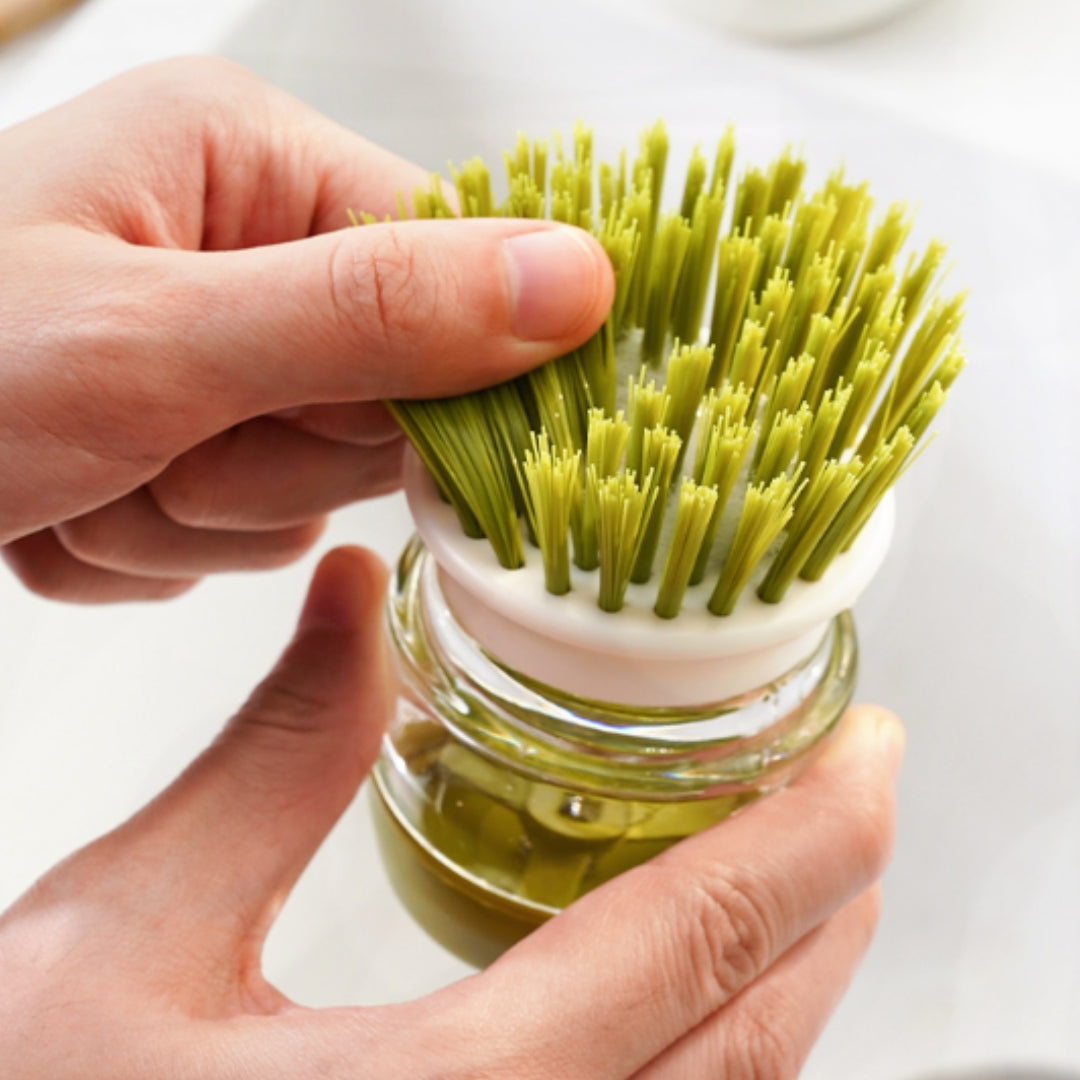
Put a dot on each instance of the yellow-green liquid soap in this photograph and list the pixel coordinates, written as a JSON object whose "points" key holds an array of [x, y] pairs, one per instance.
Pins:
{"points": [[499, 801]]}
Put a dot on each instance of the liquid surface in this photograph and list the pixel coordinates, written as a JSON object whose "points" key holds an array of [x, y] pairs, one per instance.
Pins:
{"points": [[482, 855]]}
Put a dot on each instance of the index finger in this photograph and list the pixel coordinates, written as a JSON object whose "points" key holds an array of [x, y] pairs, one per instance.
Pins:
{"points": [[626, 971]]}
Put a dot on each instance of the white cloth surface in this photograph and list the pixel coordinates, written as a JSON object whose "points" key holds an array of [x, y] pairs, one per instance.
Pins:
{"points": [[971, 632]]}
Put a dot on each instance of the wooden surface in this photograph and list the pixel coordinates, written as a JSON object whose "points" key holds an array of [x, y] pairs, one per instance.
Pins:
{"points": [[19, 15]]}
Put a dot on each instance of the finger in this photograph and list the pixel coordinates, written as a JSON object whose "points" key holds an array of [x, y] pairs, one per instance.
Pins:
{"points": [[134, 536], [268, 475], [199, 153], [632, 967], [363, 423], [412, 309], [224, 844], [770, 1028], [47, 568]]}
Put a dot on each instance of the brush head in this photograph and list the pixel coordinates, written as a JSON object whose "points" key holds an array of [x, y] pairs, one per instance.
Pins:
{"points": [[712, 473], [633, 657]]}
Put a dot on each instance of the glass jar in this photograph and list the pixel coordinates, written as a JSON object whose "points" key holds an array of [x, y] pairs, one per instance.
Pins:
{"points": [[498, 800]]}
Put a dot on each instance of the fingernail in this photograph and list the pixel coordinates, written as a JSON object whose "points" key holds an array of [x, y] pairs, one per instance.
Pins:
{"points": [[553, 275]]}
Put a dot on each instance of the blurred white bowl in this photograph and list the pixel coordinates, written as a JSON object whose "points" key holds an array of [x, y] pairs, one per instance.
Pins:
{"points": [[792, 20]]}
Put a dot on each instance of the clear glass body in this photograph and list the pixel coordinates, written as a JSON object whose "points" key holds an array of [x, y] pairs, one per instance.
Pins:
{"points": [[498, 801]]}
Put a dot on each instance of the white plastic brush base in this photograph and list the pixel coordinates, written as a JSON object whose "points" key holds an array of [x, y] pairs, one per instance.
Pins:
{"points": [[633, 657]]}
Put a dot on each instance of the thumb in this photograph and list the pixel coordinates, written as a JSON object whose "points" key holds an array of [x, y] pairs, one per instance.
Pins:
{"points": [[405, 309], [241, 823]]}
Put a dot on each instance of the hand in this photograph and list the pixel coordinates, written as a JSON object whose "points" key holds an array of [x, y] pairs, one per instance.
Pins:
{"points": [[192, 349], [723, 957]]}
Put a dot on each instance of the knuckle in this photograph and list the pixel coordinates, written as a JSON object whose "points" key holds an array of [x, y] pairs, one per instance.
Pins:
{"points": [[377, 293], [281, 709], [186, 493], [765, 1044], [86, 538], [718, 933], [732, 932]]}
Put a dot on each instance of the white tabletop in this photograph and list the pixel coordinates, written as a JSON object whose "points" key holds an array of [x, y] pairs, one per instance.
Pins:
{"points": [[972, 631]]}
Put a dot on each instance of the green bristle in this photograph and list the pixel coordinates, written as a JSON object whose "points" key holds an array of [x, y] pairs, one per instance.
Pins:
{"points": [[929, 342], [827, 362], [539, 165], [751, 355], [785, 179], [809, 236], [786, 392], [696, 173], [773, 237], [734, 402], [887, 239], [669, 251], [432, 202], [648, 408], [816, 508], [722, 161], [621, 240], [606, 185], [950, 367], [849, 229], [525, 200], [507, 409], [597, 360], [689, 308], [853, 205], [607, 441], [605, 447], [917, 280], [473, 184], [864, 387], [517, 161], [648, 176], [765, 511], [660, 453], [875, 478], [866, 303], [922, 413], [888, 324], [823, 334], [693, 515], [572, 181], [736, 268], [687, 371], [724, 409], [552, 487], [771, 306], [456, 439], [821, 436], [622, 512], [751, 203], [402, 209], [635, 212], [722, 449], [815, 288], [779, 448], [556, 392]]}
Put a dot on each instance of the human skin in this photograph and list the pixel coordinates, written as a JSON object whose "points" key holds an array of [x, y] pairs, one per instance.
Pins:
{"points": [[140, 955], [191, 358], [192, 347]]}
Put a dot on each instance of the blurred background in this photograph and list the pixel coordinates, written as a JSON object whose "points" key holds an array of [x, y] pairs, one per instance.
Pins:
{"points": [[967, 108]]}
